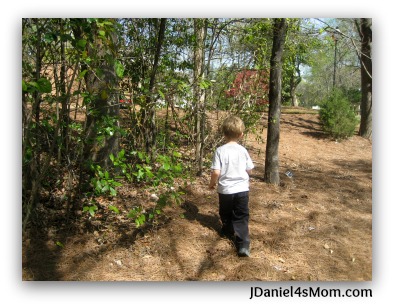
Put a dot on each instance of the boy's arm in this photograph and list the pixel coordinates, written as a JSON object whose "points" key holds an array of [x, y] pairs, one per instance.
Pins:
{"points": [[249, 164], [214, 178]]}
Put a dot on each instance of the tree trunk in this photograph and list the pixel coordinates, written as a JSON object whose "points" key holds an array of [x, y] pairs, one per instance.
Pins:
{"points": [[366, 78], [271, 156], [293, 86], [150, 112], [294, 82], [63, 147], [199, 94], [103, 109], [32, 169]]}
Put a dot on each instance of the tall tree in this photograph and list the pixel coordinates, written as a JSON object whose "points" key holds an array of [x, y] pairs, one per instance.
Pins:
{"points": [[271, 157], [34, 85], [365, 31], [98, 43], [199, 93], [150, 111]]}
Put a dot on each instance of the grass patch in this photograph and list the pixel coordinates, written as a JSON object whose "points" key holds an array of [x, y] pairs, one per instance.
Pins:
{"points": [[298, 110]]}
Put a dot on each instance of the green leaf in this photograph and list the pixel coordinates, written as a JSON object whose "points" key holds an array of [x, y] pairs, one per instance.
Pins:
{"points": [[50, 37], [81, 44], [44, 86], [92, 210], [98, 188], [177, 154], [24, 86], [133, 212], [116, 184], [177, 168], [140, 220], [204, 84], [58, 243], [114, 209], [82, 74], [166, 166], [33, 84], [119, 69], [161, 94]]}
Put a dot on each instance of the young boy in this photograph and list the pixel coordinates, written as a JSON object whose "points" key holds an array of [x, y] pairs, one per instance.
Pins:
{"points": [[231, 167]]}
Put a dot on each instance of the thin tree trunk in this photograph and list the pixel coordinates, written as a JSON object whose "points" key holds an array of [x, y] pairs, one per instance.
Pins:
{"points": [[65, 106], [294, 82], [294, 101], [272, 157], [150, 112], [103, 103], [366, 78], [199, 94], [33, 168]]}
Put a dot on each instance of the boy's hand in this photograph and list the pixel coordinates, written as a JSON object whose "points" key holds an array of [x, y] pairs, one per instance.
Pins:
{"points": [[214, 178]]}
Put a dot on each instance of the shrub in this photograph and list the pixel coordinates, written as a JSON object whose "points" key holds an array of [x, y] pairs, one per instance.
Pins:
{"points": [[337, 116]]}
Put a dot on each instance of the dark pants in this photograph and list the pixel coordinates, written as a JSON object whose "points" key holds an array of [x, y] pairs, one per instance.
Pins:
{"points": [[234, 214]]}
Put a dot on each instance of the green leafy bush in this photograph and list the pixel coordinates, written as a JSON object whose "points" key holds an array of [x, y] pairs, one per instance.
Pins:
{"points": [[102, 182], [337, 116], [139, 168]]}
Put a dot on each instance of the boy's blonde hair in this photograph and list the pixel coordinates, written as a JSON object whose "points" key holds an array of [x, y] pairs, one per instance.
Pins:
{"points": [[233, 127]]}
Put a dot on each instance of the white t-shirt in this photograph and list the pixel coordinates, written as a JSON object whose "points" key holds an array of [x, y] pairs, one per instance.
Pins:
{"points": [[233, 161]]}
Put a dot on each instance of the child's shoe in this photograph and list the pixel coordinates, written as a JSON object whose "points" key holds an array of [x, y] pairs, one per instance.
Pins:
{"points": [[244, 252]]}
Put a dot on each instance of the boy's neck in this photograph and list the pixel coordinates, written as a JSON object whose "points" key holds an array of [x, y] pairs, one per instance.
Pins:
{"points": [[235, 141]]}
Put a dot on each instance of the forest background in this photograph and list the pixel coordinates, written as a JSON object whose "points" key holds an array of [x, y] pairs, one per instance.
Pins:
{"points": [[114, 101], [330, 78]]}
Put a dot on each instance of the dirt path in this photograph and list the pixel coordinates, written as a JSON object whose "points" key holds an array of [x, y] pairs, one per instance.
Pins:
{"points": [[316, 225]]}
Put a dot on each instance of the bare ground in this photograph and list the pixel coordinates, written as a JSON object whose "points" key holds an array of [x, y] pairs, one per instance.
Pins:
{"points": [[315, 226]]}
